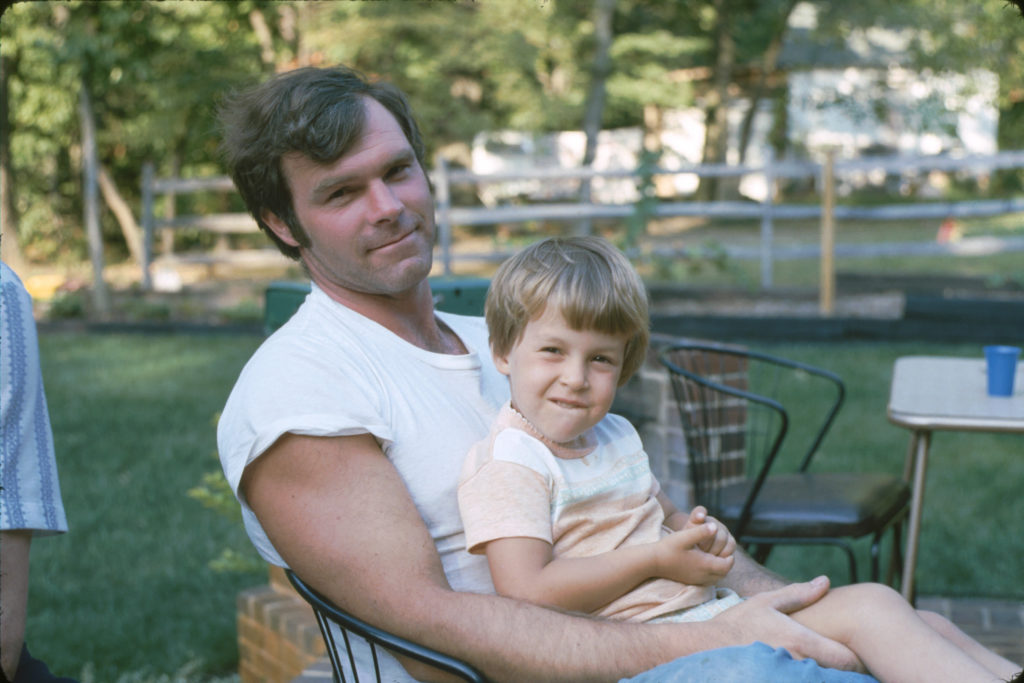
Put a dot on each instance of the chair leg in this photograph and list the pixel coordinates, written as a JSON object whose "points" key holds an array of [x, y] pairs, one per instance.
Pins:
{"points": [[325, 630], [896, 560], [761, 552], [875, 555], [852, 559]]}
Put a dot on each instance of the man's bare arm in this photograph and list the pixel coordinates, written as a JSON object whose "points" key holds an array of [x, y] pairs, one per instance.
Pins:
{"points": [[749, 578], [340, 515]]}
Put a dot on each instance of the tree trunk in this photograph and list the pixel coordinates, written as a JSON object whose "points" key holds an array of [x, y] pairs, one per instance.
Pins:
{"points": [[264, 37], [10, 249], [119, 207], [769, 64], [603, 13], [716, 137], [90, 173]]}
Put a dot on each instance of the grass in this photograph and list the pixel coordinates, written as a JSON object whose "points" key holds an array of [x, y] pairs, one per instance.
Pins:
{"points": [[127, 592], [997, 269], [128, 596]]}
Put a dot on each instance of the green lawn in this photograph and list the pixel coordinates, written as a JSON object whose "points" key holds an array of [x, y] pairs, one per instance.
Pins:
{"points": [[127, 595], [995, 269], [971, 540], [127, 591]]}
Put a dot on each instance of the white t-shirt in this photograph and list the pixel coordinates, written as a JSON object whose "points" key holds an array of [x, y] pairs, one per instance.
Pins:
{"points": [[330, 371]]}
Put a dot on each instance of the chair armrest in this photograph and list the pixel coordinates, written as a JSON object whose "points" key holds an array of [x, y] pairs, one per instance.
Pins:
{"points": [[374, 635]]}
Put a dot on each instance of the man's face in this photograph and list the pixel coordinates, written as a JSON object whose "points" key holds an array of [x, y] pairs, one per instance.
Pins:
{"points": [[369, 215]]}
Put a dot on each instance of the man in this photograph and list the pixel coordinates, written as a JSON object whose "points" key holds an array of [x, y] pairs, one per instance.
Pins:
{"points": [[346, 431]]}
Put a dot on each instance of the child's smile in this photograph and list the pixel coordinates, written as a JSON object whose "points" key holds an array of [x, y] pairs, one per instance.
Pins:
{"points": [[563, 380]]}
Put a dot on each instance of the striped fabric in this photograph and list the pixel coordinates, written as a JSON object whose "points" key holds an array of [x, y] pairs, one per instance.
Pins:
{"points": [[30, 498]]}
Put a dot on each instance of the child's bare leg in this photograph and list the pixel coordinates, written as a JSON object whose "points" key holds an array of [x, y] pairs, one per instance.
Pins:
{"points": [[1000, 666], [895, 643]]}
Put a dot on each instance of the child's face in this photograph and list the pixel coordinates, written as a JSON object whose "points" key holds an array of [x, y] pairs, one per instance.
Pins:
{"points": [[563, 380]]}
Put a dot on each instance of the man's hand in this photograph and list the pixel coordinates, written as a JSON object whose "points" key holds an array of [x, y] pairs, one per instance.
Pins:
{"points": [[764, 617]]}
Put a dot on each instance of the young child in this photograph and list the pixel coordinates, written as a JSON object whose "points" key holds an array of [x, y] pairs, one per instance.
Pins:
{"points": [[562, 500]]}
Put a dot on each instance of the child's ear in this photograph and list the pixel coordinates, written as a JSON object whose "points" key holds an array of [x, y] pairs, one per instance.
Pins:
{"points": [[501, 363]]}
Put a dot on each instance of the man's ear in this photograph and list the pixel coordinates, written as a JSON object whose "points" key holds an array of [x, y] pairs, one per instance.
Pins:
{"points": [[280, 228]]}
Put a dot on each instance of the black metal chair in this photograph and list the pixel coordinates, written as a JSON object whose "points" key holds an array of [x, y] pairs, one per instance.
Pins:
{"points": [[357, 633], [737, 407]]}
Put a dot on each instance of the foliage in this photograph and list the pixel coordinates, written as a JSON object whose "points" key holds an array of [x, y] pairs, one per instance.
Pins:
{"points": [[643, 208], [68, 305], [214, 493], [156, 71], [692, 264]]}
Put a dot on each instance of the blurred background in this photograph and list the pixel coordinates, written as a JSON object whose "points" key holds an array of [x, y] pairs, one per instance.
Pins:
{"points": [[904, 94]]}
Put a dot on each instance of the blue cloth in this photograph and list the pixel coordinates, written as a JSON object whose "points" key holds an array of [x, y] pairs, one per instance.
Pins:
{"points": [[757, 663], [30, 498], [32, 670]]}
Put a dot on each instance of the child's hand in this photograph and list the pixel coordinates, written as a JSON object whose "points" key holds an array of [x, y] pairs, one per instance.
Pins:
{"points": [[680, 556], [722, 542]]}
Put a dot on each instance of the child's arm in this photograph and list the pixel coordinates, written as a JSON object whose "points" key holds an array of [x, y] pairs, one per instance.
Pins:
{"points": [[525, 568]]}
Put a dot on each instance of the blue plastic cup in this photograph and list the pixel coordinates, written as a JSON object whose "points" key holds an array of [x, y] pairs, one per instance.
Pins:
{"points": [[1001, 362]]}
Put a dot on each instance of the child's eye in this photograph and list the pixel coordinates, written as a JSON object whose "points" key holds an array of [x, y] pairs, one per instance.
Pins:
{"points": [[550, 349]]}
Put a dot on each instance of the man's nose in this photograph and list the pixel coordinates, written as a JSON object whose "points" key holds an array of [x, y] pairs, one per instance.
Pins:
{"points": [[384, 205]]}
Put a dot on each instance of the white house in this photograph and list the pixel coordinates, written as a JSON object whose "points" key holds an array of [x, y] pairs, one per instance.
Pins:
{"points": [[859, 98]]}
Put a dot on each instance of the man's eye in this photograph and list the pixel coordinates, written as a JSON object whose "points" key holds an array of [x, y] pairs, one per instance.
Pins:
{"points": [[340, 192], [399, 171]]}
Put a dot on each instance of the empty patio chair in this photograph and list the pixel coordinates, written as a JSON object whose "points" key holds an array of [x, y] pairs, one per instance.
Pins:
{"points": [[737, 408]]}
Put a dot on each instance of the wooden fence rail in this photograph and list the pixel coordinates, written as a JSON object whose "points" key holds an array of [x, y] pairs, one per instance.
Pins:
{"points": [[449, 215]]}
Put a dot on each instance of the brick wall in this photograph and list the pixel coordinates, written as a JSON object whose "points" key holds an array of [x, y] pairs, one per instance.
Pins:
{"points": [[277, 633], [648, 401]]}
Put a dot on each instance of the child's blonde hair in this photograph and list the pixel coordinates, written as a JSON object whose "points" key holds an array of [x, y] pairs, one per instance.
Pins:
{"points": [[588, 280]]}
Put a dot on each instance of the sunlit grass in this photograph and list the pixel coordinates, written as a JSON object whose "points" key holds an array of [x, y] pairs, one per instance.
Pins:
{"points": [[128, 590]]}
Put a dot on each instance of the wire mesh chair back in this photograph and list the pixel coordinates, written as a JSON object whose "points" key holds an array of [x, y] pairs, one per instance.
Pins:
{"points": [[732, 404], [357, 634]]}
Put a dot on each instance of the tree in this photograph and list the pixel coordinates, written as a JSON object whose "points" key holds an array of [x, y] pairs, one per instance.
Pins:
{"points": [[8, 205], [156, 70], [593, 113]]}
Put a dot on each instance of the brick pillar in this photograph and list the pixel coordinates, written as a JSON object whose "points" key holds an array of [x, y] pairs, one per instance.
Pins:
{"points": [[277, 633], [648, 401]]}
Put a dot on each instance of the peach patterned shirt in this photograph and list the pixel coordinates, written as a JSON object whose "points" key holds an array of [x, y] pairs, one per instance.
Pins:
{"points": [[582, 501]]}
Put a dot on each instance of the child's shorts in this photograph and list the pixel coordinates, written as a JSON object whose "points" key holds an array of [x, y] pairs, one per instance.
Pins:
{"points": [[723, 600]]}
